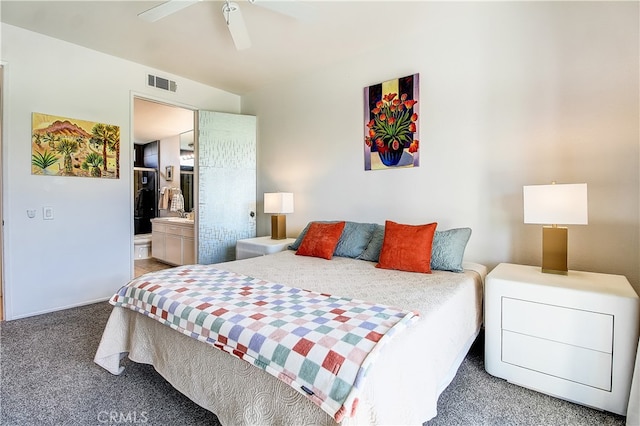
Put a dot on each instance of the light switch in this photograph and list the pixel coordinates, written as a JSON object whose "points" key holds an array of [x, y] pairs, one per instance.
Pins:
{"points": [[47, 213]]}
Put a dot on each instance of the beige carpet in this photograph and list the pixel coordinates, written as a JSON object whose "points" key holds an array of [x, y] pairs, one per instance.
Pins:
{"points": [[48, 377]]}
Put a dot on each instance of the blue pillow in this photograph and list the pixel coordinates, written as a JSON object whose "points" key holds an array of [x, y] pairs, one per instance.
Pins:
{"points": [[372, 252], [353, 241], [448, 249]]}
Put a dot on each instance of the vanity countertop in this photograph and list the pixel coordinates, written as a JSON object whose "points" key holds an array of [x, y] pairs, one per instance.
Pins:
{"points": [[173, 220]]}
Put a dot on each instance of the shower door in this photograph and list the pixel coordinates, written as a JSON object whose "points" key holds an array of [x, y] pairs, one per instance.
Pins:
{"points": [[145, 192], [226, 173]]}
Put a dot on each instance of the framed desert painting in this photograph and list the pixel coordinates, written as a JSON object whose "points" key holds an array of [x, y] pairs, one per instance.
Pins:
{"points": [[391, 128], [70, 147]]}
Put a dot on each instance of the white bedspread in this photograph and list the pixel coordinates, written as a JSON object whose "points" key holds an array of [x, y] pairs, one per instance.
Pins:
{"points": [[402, 387]]}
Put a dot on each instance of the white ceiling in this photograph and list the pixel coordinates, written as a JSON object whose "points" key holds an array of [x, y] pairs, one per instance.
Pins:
{"points": [[195, 43]]}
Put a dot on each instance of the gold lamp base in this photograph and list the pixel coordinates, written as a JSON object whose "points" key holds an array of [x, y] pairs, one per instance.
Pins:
{"points": [[554, 250], [278, 227]]}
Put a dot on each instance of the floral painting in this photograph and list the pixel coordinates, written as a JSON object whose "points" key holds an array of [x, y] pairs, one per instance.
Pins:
{"points": [[391, 129], [71, 147]]}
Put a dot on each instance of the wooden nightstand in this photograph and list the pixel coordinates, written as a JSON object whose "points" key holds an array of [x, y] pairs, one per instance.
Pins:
{"points": [[571, 336], [260, 246]]}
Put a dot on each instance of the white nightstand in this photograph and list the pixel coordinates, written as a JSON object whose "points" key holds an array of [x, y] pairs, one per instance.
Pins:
{"points": [[260, 246], [571, 336]]}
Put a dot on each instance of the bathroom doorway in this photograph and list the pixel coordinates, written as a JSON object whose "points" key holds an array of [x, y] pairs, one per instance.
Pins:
{"points": [[161, 141]]}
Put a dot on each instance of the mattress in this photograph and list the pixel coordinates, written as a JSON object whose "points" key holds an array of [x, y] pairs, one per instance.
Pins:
{"points": [[402, 387]]}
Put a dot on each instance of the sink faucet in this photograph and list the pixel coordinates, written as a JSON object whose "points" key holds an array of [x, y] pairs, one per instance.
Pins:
{"points": [[182, 213]]}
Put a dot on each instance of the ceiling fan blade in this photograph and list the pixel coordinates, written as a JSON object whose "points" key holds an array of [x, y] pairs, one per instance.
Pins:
{"points": [[294, 9], [165, 9], [237, 27]]}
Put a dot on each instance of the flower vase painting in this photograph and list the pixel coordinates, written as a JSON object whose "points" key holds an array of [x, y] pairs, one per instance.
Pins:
{"points": [[391, 124], [70, 147]]}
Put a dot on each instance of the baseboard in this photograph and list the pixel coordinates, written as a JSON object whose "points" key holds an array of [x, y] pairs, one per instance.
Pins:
{"points": [[61, 308]]}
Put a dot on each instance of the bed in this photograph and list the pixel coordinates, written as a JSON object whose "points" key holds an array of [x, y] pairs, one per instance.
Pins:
{"points": [[401, 387]]}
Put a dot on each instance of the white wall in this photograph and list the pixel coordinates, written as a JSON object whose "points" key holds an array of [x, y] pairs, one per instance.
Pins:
{"points": [[85, 253], [512, 93]]}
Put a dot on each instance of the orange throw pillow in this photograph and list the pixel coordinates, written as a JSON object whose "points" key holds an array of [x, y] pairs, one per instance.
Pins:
{"points": [[321, 239], [407, 247]]}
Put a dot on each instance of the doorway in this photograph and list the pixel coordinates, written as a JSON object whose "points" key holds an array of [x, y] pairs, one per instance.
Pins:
{"points": [[159, 131], [221, 151]]}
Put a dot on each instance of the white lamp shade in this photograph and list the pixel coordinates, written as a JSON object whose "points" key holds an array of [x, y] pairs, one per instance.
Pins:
{"points": [[278, 202], [557, 204]]}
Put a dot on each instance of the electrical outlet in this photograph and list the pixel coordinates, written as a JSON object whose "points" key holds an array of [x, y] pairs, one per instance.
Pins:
{"points": [[47, 213]]}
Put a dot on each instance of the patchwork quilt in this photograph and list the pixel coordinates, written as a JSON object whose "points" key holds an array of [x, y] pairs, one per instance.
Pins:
{"points": [[319, 344]]}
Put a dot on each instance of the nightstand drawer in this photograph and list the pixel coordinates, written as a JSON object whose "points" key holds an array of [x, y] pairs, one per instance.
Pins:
{"points": [[580, 365], [585, 329]]}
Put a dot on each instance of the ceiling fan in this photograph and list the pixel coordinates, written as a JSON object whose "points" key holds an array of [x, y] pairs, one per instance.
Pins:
{"points": [[232, 15]]}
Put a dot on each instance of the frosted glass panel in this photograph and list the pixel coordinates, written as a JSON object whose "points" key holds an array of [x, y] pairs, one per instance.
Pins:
{"points": [[226, 184]]}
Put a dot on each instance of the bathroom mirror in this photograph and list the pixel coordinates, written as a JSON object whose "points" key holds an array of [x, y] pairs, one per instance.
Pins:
{"points": [[186, 168]]}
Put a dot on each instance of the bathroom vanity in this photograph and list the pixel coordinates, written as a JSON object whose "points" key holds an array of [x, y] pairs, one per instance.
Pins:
{"points": [[172, 240]]}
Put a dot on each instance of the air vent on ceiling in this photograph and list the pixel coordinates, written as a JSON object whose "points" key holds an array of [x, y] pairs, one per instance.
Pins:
{"points": [[161, 83]]}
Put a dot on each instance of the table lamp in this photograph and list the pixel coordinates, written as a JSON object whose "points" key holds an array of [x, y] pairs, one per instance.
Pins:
{"points": [[278, 203], [551, 205]]}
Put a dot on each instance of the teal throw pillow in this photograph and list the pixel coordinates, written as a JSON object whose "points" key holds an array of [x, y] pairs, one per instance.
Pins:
{"points": [[372, 252], [448, 249], [354, 239]]}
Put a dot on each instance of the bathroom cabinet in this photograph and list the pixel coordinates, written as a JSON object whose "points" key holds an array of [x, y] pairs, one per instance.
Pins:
{"points": [[172, 240]]}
